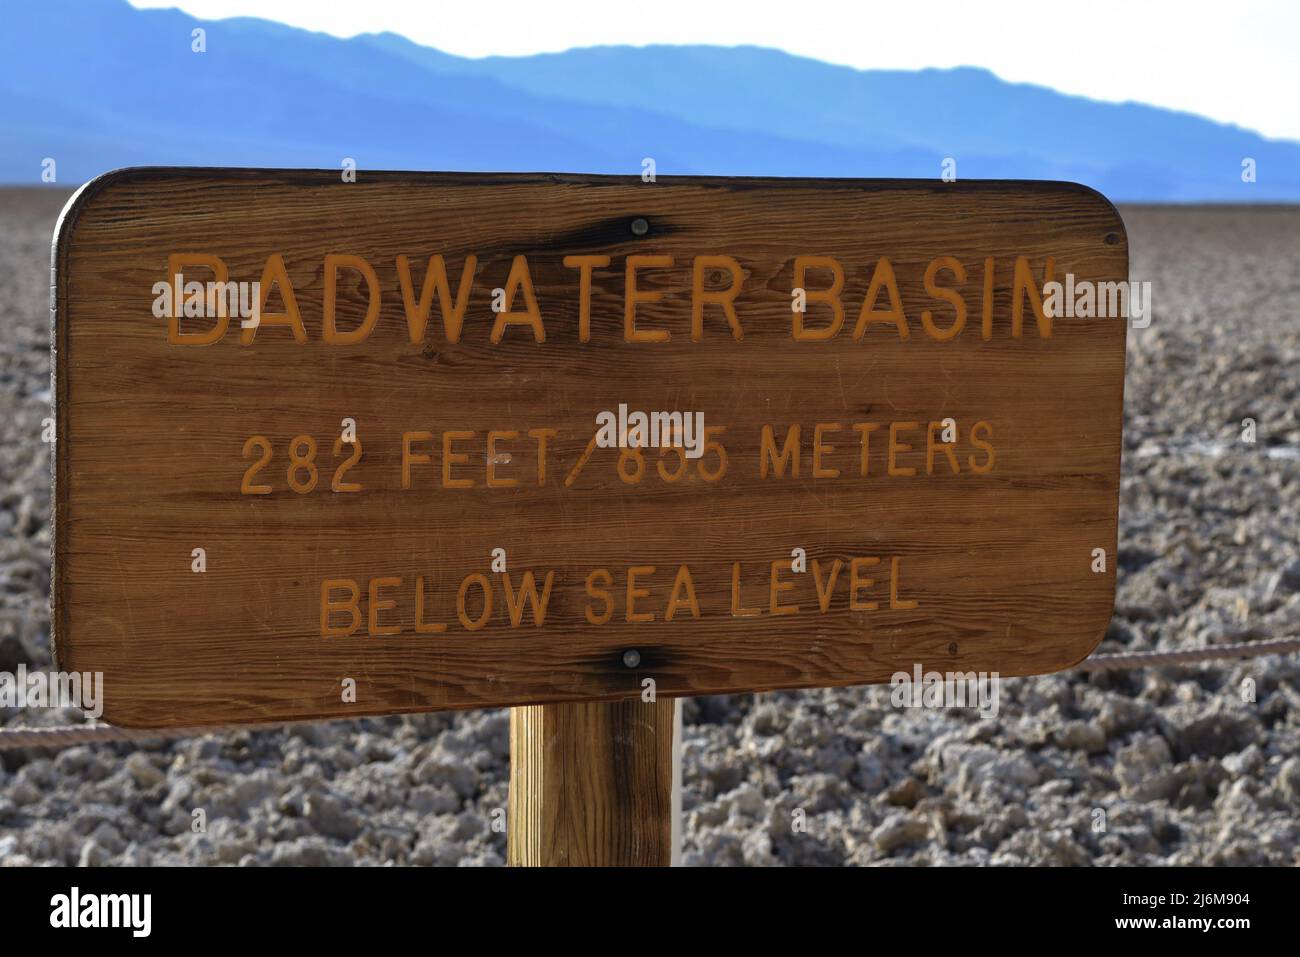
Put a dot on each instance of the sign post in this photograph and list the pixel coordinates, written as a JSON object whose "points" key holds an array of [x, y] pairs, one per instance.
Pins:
{"points": [[591, 784], [575, 445]]}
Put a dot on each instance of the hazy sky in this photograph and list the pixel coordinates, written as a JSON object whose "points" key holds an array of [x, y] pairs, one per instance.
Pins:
{"points": [[1235, 61]]}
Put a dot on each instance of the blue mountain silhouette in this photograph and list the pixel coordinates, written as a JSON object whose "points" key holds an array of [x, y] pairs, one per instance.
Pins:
{"points": [[97, 84]]}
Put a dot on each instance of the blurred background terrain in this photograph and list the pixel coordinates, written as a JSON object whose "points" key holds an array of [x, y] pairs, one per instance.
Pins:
{"points": [[97, 85]]}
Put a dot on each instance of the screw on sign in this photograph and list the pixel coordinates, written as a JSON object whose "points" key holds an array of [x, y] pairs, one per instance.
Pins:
{"points": [[939, 452]]}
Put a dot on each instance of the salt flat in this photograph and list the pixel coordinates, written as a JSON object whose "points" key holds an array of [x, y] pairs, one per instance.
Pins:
{"points": [[1168, 765]]}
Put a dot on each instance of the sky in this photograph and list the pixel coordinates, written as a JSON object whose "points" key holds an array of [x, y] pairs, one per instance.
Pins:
{"points": [[1234, 61]]}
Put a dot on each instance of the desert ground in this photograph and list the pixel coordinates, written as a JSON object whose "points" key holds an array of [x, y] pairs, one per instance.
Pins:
{"points": [[1153, 766]]}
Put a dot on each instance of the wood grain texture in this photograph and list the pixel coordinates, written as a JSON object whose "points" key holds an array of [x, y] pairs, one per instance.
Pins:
{"points": [[149, 456], [591, 784]]}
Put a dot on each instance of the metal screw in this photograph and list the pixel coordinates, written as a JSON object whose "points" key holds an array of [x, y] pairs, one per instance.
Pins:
{"points": [[640, 226], [631, 657]]}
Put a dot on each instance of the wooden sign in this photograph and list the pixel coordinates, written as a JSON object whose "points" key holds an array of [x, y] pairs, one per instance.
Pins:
{"points": [[426, 441]]}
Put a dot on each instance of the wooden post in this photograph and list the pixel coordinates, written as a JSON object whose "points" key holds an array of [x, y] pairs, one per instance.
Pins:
{"points": [[591, 784], [677, 783]]}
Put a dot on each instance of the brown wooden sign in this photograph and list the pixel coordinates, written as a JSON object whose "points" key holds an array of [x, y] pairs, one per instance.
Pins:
{"points": [[425, 441]]}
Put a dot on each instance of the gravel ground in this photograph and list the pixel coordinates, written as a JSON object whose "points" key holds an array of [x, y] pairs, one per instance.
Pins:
{"points": [[1161, 766]]}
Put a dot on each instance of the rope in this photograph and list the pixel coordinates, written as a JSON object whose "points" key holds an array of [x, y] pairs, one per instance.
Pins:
{"points": [[65, 736], [1157, 659]]}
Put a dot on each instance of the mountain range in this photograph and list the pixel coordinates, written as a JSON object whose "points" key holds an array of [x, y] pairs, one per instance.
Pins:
{"points": [[98, 84]]}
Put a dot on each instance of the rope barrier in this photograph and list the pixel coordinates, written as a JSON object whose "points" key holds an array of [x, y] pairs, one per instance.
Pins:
{"points": [[1156, 659], [64, 736], [70, 735]]}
